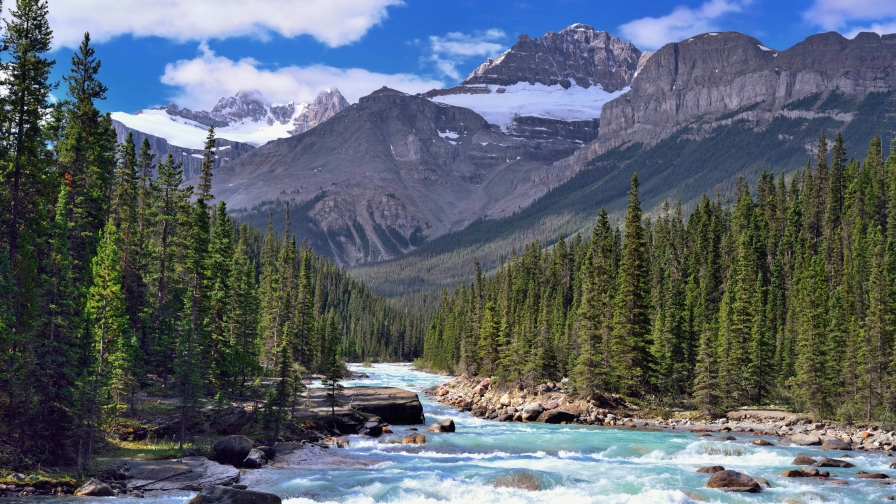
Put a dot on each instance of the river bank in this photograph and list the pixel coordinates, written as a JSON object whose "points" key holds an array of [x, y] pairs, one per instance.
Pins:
{"points": [[485, 461], [548, 403]]}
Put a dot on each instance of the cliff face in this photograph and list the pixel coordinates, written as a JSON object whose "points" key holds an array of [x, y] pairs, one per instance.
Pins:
{"points": [[711, 75], [577, 55]]}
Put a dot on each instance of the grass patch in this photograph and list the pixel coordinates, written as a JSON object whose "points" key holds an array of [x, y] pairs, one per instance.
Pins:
{"points": [[153, 450]]}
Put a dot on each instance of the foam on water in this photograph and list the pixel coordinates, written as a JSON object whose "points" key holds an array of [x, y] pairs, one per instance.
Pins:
{"points": [[568, 464]]}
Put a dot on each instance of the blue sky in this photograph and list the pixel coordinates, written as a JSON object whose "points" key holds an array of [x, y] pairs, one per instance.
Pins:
{"points": [[193, 52]]}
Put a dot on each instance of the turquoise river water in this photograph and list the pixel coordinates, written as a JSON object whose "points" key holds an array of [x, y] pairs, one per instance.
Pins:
{"points": [[572, 464]]}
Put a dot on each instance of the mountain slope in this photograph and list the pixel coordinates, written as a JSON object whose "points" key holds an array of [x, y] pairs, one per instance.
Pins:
{"points": [[388, 173], [717, 129]]}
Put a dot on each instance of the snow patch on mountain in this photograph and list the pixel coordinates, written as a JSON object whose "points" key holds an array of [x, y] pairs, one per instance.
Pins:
{"points": [[523, 99], [245, 117], [191, 134]]}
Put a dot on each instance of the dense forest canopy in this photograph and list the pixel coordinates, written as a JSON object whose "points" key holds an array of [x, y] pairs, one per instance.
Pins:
{"points": [[115, 275], [783, 295]]}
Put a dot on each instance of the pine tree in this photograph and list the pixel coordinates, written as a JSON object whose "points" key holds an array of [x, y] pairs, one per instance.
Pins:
{"points": [[631, 323], [25, 199], [108, 376], [221, 280]]}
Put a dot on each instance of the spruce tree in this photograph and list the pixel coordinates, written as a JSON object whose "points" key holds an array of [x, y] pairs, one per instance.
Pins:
{"points": [[631, 322]]}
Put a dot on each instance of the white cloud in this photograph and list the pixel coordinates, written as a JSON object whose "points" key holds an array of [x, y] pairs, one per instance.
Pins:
{"points": [[681, 23], [879, 28], [853, 16], [203, 80], [839, 14], [332, 22], [455, 48]]}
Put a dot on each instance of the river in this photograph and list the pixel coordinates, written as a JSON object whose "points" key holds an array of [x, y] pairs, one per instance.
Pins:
{"points": [[569, 464]]}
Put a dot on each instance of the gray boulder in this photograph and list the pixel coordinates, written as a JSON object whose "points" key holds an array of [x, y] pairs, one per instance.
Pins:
{"points": [[255, 459], [446, 425], [733, 481], [532, 411], [805, 439], [835, 444], [225, 495], [232, 450], [95, 488]]}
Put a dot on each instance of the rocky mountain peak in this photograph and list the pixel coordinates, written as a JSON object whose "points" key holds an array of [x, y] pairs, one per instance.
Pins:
{"points": [[327, 104], [577, 55]]}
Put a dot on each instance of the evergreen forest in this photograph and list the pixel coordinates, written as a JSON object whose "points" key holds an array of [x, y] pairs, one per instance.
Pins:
{"points": [[783, 294], [115, 275]]}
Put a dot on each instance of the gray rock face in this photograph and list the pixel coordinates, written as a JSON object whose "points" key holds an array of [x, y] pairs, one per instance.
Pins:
{"points": [[710, 75], [225, 495], [577, 54], [190, 473], [326, 105]]}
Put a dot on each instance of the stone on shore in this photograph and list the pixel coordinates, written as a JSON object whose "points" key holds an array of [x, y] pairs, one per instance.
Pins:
{"points": [[557, 416], [733, 481], [532, 411], [255, 459], [225, 495], [835, 444], [232, 450], [505, 400], [189, 473], [95, 488], [805, 439], [710, 469]]}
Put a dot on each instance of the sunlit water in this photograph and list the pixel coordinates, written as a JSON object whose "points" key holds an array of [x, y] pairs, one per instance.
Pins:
{"points": [[571, 464]]}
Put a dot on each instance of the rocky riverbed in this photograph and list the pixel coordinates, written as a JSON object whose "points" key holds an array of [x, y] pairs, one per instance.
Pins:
{"points": [[462, 457], [548, 403]]}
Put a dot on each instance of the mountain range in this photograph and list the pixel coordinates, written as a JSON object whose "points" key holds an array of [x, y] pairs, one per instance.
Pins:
{"points": [[535, 140]]}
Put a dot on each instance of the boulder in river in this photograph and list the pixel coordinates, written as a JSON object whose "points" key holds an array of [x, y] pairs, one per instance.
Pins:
{"points": [[761, 442], [829, 462], [95, 488], [532, 411], [505, 418], [392, 405], [414, 439], [446, 425], [835, 444], [879, 476], [733, 481], [710, 469], [226, 495], [232, 450], [805, 439], [519, 479], [255, 459], [803, 460]]}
